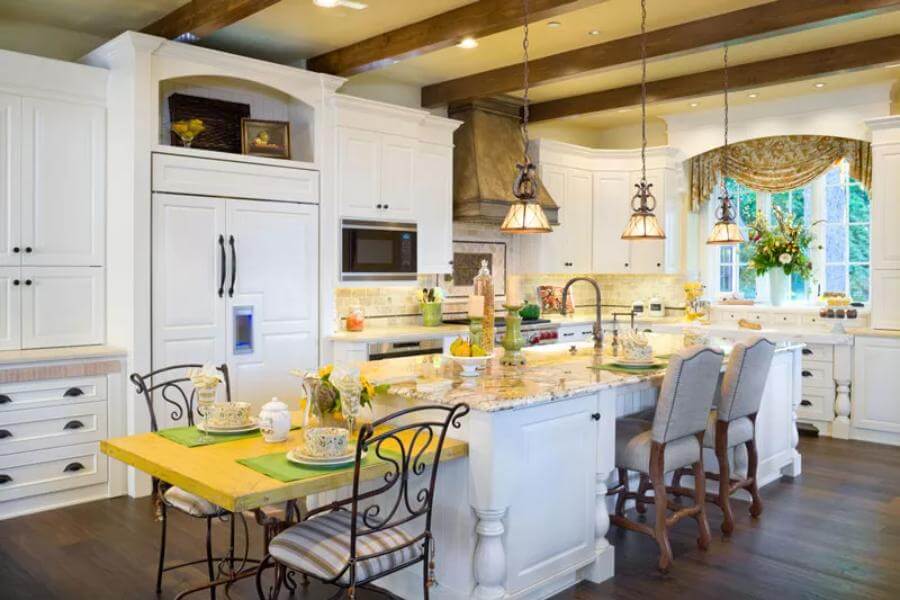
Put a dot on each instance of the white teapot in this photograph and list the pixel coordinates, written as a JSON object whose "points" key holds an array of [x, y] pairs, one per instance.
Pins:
{"points": [[275, 421]]}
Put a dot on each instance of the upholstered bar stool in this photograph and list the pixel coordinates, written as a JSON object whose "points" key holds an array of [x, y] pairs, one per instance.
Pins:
{"points": [[673, 440], [733, 423]]}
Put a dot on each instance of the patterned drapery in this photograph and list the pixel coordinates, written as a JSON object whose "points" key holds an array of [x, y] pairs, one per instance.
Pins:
{"points": [[778, 163]]}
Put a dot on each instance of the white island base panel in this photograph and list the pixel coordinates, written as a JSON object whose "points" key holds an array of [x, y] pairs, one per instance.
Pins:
{"points": [[526, 514]]}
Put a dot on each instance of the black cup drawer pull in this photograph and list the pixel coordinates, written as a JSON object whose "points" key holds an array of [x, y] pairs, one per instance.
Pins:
{"points": [[73, 467], [5, 433], [4, 399], [805, 403], [806, 373], [807, 352], [73, 392], [74, 425], [5, 479]]}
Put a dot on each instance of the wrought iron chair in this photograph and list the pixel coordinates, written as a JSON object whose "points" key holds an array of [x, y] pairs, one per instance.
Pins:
{"points": [[169, 383], [351, 548]]}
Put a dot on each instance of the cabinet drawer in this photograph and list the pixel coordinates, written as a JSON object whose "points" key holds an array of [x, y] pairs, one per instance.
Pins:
{"points": [[816, 404], [52, 470], [26, 430], [818, 353], [51, 392], [209, 177], [785, 319], [815, 374]]}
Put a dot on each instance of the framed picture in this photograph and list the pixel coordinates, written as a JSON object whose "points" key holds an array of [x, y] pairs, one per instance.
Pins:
{"points": [[550, 299], [266, 138], [467, 257]]}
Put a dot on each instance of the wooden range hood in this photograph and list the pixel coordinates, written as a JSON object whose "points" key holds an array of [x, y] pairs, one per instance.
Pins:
{"points": [[487, 147]]}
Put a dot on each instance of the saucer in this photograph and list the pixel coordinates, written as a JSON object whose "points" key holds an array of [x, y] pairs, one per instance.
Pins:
{"points": [[253, 425], [297, 456]]}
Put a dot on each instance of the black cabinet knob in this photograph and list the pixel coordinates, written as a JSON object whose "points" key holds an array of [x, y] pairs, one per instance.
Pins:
{"points": [[595, 416], [5, 433], [16, 282], [386, 206], [658, 264], [626, 265], [16, 249], [73, 467], [27, 282], [27, 249], [73, 392], [377, 206]]}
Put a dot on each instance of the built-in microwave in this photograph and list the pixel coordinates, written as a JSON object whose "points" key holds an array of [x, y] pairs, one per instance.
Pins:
{"points": [[378, 251]]}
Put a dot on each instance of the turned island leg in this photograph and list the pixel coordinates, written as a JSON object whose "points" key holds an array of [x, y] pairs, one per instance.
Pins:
{"points": [[490, 555]]}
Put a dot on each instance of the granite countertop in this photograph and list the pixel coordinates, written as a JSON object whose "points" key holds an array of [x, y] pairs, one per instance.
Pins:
{"points": [[776, 334], [552, 373], [16, 357]]}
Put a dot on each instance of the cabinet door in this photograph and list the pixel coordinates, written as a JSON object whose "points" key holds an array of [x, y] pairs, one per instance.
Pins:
{"points": [[10, 179], [62, 306], [578, 231], [885, 207], [189, 279], [276, 284], [648, 256], [10, 295], [397, 169], [434, 208], [63, 183], [553, 255], [875, 393], [885, 291], [358, 182], [612, 198]]}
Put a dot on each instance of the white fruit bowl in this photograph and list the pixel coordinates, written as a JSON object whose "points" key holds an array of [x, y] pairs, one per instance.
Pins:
{"points": [[469, 364]]}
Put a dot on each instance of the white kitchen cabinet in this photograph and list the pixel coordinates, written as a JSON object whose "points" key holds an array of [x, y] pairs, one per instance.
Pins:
{"points": [[434, 207], [649, 256], [62, 306], [377, 171], [10, 300], [874, 391], [885, 292], [568, 249], [63, 183], [885, 208], [10, 220], [611, 211]]}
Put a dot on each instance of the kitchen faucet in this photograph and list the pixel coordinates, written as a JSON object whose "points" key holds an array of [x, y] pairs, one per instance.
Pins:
{"points": [[598, 326]]}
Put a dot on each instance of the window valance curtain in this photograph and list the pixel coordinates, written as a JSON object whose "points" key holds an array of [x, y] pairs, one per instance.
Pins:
{"points": [[779, 163]]}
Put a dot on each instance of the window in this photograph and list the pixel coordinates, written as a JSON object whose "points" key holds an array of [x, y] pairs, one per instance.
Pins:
{"points": [[836, 200]]}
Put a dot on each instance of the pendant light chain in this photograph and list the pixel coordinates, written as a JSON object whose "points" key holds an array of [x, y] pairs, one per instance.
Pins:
{"points": [[644, 90], [525, 107], [725, 157]]}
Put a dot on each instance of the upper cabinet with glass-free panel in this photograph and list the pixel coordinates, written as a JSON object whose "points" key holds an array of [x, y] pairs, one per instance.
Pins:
{"points": [[10, 145], [885, 199]]}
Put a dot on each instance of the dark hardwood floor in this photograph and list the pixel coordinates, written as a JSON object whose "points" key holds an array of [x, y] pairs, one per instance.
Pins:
{"points": [[832, 533]]}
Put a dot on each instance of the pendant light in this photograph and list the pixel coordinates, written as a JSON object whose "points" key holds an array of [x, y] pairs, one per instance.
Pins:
{"points": [[726, 231], [526, 215], [643, 224]]}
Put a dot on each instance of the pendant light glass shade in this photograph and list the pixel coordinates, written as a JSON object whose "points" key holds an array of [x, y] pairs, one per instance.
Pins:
{"points": [[725, 233], [525, 217]]}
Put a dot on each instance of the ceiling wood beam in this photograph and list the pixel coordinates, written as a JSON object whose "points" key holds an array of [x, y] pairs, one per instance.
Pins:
{"points": [[203, 17], [750, 75], [477, 20], [737, 26]]}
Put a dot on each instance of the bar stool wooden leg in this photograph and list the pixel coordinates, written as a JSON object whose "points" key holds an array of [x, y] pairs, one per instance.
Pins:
{"points": [[700, 500], [621, 497], [756, 506], [676, 482], [639, 505], [724, 499], [660, 500]]}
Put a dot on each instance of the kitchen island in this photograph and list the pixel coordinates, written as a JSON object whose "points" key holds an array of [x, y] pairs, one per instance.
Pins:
{"points": [[526, 514]]}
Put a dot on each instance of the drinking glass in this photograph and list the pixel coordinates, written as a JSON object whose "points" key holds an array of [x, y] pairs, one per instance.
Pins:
{"points": [[206, 397], [346, 380]]}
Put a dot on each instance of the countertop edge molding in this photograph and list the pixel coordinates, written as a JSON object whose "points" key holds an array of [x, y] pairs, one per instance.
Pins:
{"points": [[60, 371]]}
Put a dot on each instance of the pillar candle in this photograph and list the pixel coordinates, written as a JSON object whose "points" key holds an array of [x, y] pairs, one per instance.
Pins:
{"points": [[476, 307], [512, 296]]}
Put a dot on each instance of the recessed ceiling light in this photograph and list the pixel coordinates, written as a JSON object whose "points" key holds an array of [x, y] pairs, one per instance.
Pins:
{"points": [[624, 110], [344, 3], [695, 104], [753, 95], [467, 43], [554, 24], [187, 37], [820, 85], [594, 32]]}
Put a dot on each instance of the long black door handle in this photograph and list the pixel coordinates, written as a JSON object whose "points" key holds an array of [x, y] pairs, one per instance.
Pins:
{"points": [[73, 392], [74, 425], [233, 266], [72, 467], [222, 272]]}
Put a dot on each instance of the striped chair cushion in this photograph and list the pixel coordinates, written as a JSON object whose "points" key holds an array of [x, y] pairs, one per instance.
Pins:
{"points": [[321, 547], [190, 503]]}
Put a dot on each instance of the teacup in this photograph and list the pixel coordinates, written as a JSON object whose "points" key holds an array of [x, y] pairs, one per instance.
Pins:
{"points": [[326, 442], [228, 414]]}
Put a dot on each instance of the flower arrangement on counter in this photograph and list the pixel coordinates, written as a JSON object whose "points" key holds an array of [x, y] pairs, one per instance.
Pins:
{"points": [[330, 395], [783, 246]]}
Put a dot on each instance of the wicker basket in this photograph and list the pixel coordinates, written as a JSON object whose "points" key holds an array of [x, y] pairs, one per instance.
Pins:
{"points": [[221, 118]]}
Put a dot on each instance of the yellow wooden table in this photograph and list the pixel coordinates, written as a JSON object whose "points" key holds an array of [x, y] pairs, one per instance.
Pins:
{"points": [[212, 472]]}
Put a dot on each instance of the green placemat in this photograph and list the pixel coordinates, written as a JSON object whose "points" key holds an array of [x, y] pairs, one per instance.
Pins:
{"points": [[192, 437], [277, 466], [629, 370]]}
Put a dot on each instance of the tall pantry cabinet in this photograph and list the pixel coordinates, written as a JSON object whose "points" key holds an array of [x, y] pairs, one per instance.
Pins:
{"points": [[52, 203]]}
